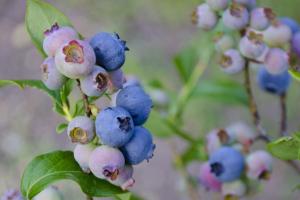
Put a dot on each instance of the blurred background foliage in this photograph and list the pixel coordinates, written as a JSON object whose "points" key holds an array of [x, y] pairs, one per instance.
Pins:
{"points": [[162, 42]]}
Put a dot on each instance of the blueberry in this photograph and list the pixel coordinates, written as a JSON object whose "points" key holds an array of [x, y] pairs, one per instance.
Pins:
{"points": [[124, 178], [114, 126], [75, 59], [56, 36], [96, 83], [208, 179], [50, 193], [227, 164], [81, 130], [277, 34], [109, 50], [204, 17], [116, 80], [12, 194], [276, 61], [82, 155], [236, 17], [241, 133], [51, 77], [275, 84], [260, 18], [234, 190], [131, 80], [252, 45], [136, 102], [106, 162], [259, 165], [232, 61], [218, 5], [250, 4], [215, 139], [139, 148], [294, 26], [296, 43], [223, 42]]}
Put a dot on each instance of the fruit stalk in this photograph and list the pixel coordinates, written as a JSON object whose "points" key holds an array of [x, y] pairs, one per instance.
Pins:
{"points": [[85, 100], [283, 121]]}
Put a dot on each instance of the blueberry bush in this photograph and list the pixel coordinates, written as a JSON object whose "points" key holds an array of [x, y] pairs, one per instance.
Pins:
{"points": [[239, 36]]}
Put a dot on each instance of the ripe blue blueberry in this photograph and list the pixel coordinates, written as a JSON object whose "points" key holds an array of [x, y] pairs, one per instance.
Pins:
{"points": [[82, 155], [276, 61], [208, 179], [277, 34], [109, 50], [75, 59], [81, 130], [275, 84], [96, 83], [294, 26], [114, 126], [124, 179], [223, 42], [236, 17], [50, 193], [106, 162], [232, 61], [135, 100], [296, 43], [227, 164], [56, 36], [260, 18], [51, 77], [218, 5], [252, 45], [204, 17], [139, 148]]}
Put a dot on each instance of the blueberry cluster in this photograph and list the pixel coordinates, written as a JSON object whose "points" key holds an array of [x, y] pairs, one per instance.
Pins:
{"points": [[264, 39], [109, 143], [231, 166]]}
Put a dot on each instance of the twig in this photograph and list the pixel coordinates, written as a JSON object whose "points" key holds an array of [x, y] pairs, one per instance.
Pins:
{"points": [[283, 121], [87, 108]]}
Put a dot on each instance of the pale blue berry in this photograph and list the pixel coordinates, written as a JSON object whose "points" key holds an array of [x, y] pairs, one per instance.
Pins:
{"points": [[236, 17], [276, 61], [260, 18], [81, 130], [205, 17], [82, 155], [277, 34], [218, 5], [232, 61], [252, 45]]}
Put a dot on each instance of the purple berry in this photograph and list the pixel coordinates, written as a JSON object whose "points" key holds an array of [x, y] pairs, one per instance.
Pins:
{"points": [[218, 5], [223, 42], [252, 45], [81, 130], [124, 178], [234, 190], [296, 44], [232, 61], [259, 165], [96, 83], [106, 162], [208, 179], [75, 59], [114, 126], [276, 61], [227, 164], [204, 17], [110, 50], [277, 34], [236, 17], [57, 36], [135, 100], [51, 77], [116, 80], [140, 147], [50, 193], [260, 18], [82, 155], [294, 26], [274, 84]]}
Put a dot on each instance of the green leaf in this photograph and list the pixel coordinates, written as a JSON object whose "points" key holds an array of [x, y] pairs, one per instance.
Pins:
{"points": [[61, 128], [40, 16], [38, 84], [223, 91], [66, 90], [125, 196], [60, 165], [157, 126], [295, 74], [285, 148]]}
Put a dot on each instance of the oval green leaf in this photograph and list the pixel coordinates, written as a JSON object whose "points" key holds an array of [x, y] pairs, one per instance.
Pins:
{"points": [[60, 165]]}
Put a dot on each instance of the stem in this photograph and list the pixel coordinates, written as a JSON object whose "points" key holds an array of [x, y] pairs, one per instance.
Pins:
{"points": [[85, 100], [283, 121], [253, 107], [179, 132]]}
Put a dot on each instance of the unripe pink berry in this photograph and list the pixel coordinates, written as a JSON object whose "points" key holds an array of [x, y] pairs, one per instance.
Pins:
{"points": [[106, 162], [235, 189], [277, 34], [56, 36], [124, 178], [218, 5], [276, 61], [259, 165], [236, 17], [208, 179], [204, 17], [215, 139], [75, 59], [252, 45], [232, 62], [82, 155]]}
